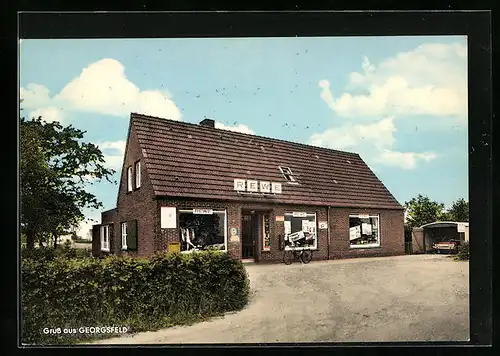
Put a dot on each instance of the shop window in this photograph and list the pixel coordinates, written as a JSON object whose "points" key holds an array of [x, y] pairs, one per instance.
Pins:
{"points": [[203, 229], [300, 231], [266, 233], [364, 231], [105, 238]]}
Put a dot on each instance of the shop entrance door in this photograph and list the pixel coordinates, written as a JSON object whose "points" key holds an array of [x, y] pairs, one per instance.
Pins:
{"points": [[248, 235]]}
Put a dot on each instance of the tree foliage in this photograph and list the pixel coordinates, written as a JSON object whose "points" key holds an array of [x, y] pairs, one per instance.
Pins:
{"points": [[459, 211], [422, 210], [56, 166]]}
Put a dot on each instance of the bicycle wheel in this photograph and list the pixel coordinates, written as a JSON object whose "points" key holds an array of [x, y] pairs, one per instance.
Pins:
{"points": [[306, 256], [288, 257]]}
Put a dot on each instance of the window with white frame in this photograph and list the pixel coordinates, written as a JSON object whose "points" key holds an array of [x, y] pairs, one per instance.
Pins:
{"points": [[203, 229], [129, 179], [364, 231], [124, 235], [105, 238], [137, 174], [300, 231]]}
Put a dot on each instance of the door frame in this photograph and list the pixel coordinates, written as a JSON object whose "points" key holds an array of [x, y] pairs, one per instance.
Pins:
{"points": [[258, 228], [254, 230]]}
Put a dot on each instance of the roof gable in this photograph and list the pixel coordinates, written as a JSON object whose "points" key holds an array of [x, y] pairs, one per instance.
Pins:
{"points": [[196, 161]]}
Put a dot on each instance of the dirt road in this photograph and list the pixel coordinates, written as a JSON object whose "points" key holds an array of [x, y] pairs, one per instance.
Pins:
{"points": [[404, 298]]}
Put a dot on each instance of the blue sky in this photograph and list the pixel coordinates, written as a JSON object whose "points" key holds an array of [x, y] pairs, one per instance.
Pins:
{"points": [[400, 102]]}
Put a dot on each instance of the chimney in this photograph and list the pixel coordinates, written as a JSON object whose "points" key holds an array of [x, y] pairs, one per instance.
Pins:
{"points": [[208, 123]]}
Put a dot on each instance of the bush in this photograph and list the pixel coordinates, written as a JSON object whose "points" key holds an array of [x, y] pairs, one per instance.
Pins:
{"points": [[463, 251], [141, 294]]}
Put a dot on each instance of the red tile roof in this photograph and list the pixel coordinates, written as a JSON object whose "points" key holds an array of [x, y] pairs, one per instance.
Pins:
{"points": [[190, 160]]}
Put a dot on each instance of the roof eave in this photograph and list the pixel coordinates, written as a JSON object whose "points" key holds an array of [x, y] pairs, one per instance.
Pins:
{"points": [[159, 196]]}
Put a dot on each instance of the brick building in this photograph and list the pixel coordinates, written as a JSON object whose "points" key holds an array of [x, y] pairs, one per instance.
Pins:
{"points": [[187, 187]]}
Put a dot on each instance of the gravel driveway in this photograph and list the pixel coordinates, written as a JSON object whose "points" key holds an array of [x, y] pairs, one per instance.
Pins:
{"points": [[403, 298]]}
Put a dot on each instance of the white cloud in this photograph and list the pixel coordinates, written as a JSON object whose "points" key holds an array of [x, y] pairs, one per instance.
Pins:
{"points": [[103, 88], [406, 160], [326, 93], [237, 128], [49, 114], [429, 80], [114, 159], [34, 96], [349, 136], [373, 142]]}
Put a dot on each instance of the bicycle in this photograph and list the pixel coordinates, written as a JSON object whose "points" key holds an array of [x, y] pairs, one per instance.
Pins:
{"points": [[305, 256]]}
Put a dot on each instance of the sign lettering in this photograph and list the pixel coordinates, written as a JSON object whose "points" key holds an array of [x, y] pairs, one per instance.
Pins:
{"points": [[354, 232], [276, 187], [296, 214], [242, 185], [239, 184], [203, 211], [252, 185], [265, 187]]}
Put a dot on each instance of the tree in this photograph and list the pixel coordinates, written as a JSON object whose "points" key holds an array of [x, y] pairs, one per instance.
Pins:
{"points": [[459, 210], [445, 216], [55, 167], [421, 210]]}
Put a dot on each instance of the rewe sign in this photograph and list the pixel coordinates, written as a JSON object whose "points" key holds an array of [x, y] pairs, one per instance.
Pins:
{"points": [[245, 185]]}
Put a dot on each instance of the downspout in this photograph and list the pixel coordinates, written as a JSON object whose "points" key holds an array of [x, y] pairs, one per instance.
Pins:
{"points": [[328, 231]]}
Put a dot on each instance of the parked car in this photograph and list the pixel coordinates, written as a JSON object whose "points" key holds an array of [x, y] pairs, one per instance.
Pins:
{"points": [[447, 246]]}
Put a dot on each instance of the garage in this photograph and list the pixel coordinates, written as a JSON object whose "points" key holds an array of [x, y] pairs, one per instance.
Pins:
{"points": [[425, 236]]}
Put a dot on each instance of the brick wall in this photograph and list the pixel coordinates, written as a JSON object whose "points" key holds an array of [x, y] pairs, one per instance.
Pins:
{"points": [[278, 231], [164, 236], [391, 233], [234, 214], [140, 205], [152, 238], [108, 217], [136, 205]]}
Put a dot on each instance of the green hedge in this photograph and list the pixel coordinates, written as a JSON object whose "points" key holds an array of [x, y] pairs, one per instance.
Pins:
{"points": [[463, 251], [140, 294]]}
